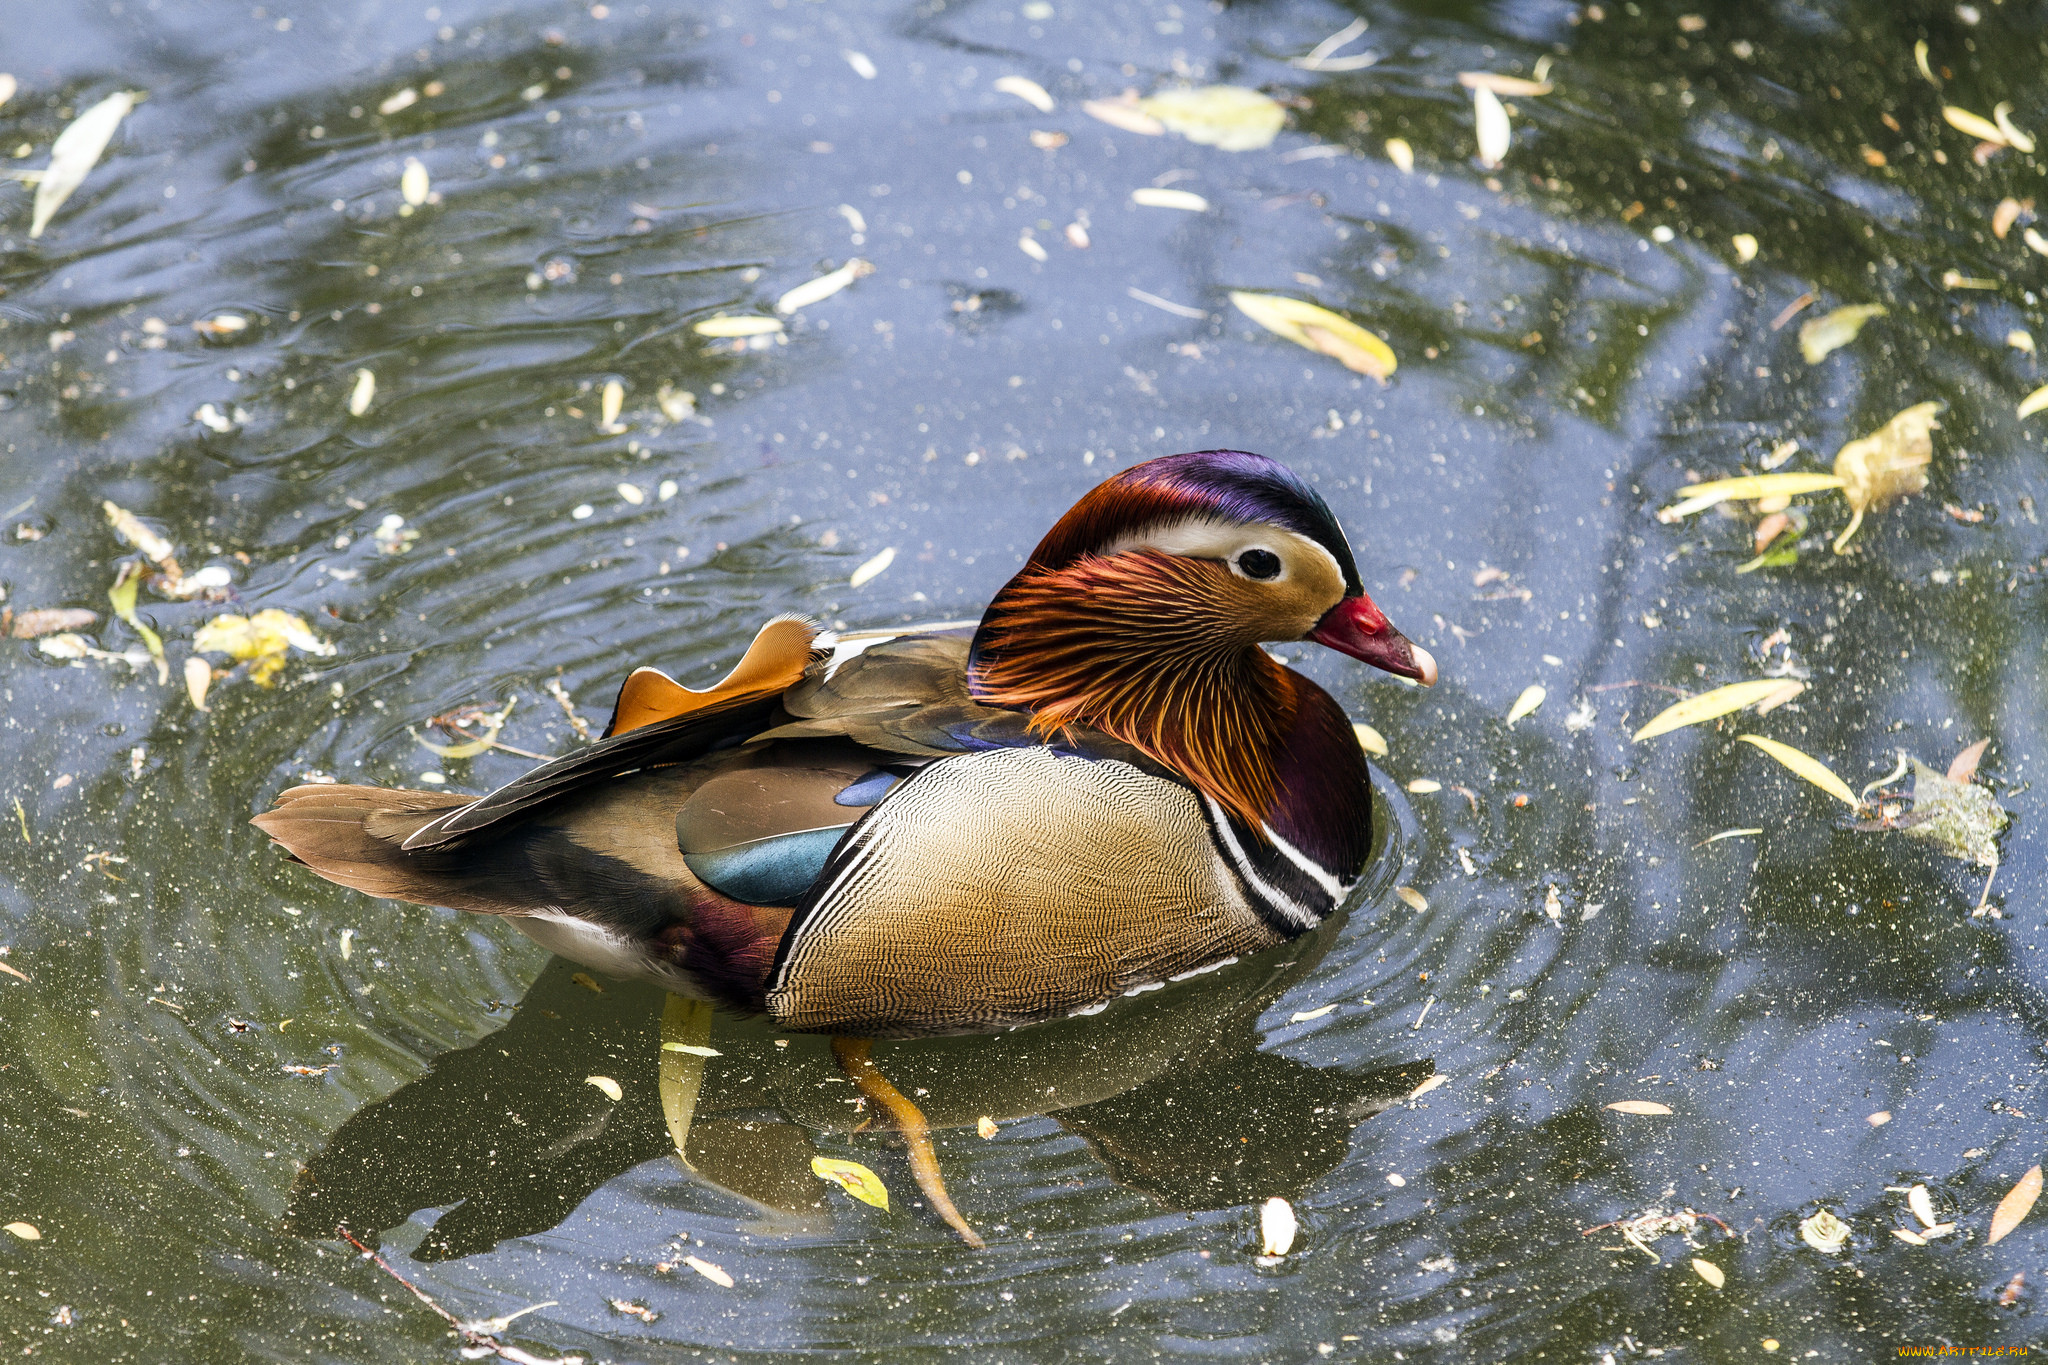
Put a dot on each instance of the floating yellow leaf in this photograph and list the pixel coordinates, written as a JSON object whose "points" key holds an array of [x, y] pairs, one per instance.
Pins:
{"points": [[1639, 1107], [1187, 201], [587, 982], [1401, 154], [75, 152], [28, 1232], [1922, 1205], [1028, 90], [873, 569], [122, 597], [1423, 786], [1976, 125], [2034, 401], [8, 85], [404, 99], [1709, 1272], [261, 641], [1412, 898], [1889, 463], [1432, 1083], [1832, 331], [1745, 248], [1824, 1232], [730, 325], [1319, 330], [363, 394], [1278, 1227], [492, 723], [2011, 1210], [1231, 117], [1719, 702], [1920, 60], [1490, 122], [610, 401], [1503, 85], [985, 1126], [1369, 739], [856, 1179], [2020, 339], [1124, 114], [685, 1035], [1744, 488], [1303, 1016], [714, 1273], [1812, 769], [1531, 698], [2014, 138], [613, 1091], [803, 296]]}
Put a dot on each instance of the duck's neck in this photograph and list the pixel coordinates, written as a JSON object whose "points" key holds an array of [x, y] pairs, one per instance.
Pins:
{"points": [[1127, 647]]}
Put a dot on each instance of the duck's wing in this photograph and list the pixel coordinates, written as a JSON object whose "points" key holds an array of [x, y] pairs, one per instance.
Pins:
{"points": [[657, 744], [656, 721]]}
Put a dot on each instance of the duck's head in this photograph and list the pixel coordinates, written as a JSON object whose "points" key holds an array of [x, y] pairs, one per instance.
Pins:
{"points": [[1142, 611]]}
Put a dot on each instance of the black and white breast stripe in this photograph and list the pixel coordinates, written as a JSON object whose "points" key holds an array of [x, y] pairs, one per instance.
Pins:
{"points": [[1289, 890]]}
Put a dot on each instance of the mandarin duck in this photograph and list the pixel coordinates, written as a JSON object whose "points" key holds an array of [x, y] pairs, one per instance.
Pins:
{"points": [[1103, 785]]}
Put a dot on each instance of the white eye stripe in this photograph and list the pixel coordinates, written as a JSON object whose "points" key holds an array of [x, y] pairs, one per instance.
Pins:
{"points": [[1203, 538]]}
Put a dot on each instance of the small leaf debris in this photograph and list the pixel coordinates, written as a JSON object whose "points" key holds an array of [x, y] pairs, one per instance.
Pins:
{"points": [[856, 1179], [1812, 769], [2017, 1204], [1720, 702], [1232, 118], [75, 152], [1526, 704], [1320, 330], [1824, 1232], [1831, 331], [873, 568]]}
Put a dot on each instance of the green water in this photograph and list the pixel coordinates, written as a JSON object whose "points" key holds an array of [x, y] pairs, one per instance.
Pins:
{"points": [[1576, 338]]}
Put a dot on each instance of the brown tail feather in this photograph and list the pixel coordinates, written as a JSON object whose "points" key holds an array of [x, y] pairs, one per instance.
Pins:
{"points": [[351, 835]]}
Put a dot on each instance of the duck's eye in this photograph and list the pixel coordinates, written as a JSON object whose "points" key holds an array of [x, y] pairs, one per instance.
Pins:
{"points": [[1259, 564]]}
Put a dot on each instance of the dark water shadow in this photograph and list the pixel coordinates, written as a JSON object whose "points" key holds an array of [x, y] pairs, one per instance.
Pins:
{"points": [[510, 1136]]}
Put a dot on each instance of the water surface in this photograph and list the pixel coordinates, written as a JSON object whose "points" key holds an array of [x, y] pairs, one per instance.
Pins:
{"points": [[1577, 338]]}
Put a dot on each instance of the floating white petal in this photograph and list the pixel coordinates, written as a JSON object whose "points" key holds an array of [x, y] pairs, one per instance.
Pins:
{"points": [[75, 152], [1491, 122]]}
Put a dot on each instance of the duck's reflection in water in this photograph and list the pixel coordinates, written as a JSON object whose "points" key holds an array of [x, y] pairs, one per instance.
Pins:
{"points": [[509, 1136]]}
